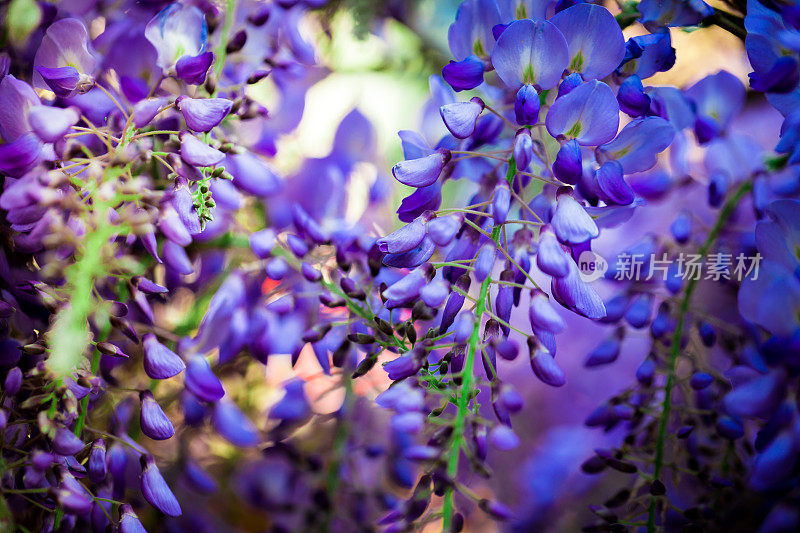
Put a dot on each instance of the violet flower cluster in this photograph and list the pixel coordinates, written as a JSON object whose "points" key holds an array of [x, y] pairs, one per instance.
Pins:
{"points": [[155, 263]]}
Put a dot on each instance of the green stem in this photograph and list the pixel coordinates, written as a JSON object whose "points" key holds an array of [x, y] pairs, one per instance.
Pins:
{"points": [[675, 348], [84, 405], [230, 14], [465, 392]]}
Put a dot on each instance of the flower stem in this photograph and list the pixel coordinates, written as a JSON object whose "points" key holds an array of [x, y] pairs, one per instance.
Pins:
{"points": [[675, 349], [465, 392], [230, 14]]}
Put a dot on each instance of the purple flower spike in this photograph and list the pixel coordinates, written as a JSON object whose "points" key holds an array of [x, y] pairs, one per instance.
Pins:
{"points": [[178, 30], [155, 490], [543, 316], [233, 425], [293, 407], [404, 239], [129, 522], [423, 171], [201, 380], [66, 443], [203, 114], [193, 69], [159, 361], [526, 105], [638, 143], [571, 223], [589, 114], [460, 117], [546, 369], [154, 422], [464, 75], [595, 41], [196, 152], [52, 123], [442, 230], [568, 166], [531, 52], [612, 185]]}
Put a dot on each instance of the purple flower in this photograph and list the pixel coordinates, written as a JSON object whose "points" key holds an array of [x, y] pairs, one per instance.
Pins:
{"points": [[501, 203], [403, 366], [589, 114], [155, 490], [293, 407], [460, 117], [129, 522], [543, 316], [423, 171], [442, 230], [594, 38], [202, 381], [404, 239], [673, 13], [606, 353], [638, 143], [195, 152], [545, 367], [530, 52], [262, 242], [527, 105], [178, 30], [203, 114], [52, 123], [193, 69], [251, 175], [632, 98], [66, 442], [97, 461], [159, 361], [407, 287], [613, 188], [20, 155], [64, 61], [571, 223], [471, 33], [464, 75], [233, 425], [503, 438], [575, 294], [154, 423]]}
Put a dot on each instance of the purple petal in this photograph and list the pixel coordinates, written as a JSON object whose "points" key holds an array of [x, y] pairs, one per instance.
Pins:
{"points": [[423, 171], [568, 166], [442, 230], [571, 223], [460, 117], [193, 69], [464, 75], [637, 145], [154, 423], [595, 41], [178, 30], [203, 114], [251, 175], [195, 152], [201, 380], [546, 369], [21, 155], [159, 361], [527, 105], [589, 114], [52, 123], [532, 52], [543, 316], [155, 490], [404, 239], [612, 185], [145, 110], [233, 425]]}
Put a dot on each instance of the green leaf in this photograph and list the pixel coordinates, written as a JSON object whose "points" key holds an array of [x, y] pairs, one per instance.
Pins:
{"points": [[23, 17]]}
